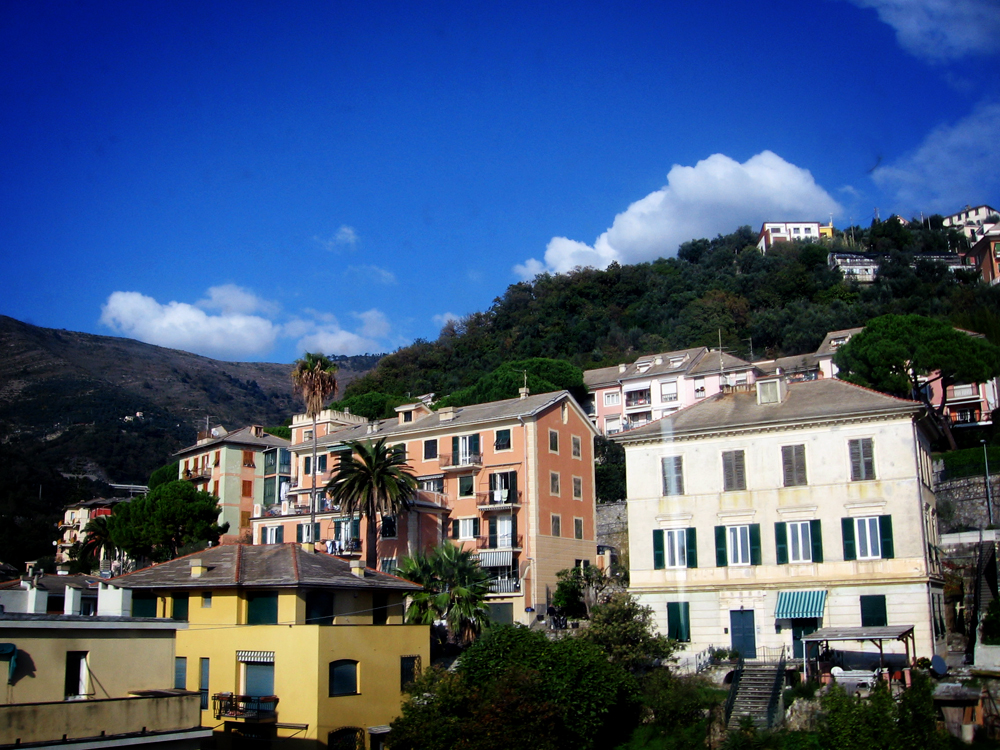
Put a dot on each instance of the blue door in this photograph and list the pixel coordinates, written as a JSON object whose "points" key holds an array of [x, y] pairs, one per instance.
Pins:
{"points": [[741, 627]]}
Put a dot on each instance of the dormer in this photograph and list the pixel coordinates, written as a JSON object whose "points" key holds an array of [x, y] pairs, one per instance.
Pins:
{"points": [[772, 390], [409, 413]]}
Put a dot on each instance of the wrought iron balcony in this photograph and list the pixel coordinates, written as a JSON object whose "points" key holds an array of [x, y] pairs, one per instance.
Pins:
{"points": [[459, 460], [499, 541], [198, 474], [505, 585], [249, 707], [498, 499]]}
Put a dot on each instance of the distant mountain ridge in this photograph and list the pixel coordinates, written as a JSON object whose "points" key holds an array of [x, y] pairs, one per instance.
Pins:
{"points": [[73, 397]]}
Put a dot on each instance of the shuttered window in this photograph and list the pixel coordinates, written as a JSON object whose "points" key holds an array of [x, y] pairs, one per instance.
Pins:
{"points": [[679, 621], [734, 471], [675, 548], [862, 459], [793, 463], [868, 538], [737, 545], [873, 611], [180, 672], [673, 475]]}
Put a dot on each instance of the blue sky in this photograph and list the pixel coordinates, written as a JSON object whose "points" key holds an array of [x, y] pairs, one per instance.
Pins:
{"points": [[251, 180]]}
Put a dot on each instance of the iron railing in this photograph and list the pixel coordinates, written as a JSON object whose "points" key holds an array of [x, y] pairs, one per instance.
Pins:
{"points": [[252, 707], [460, 459], [499, 541], [734, 688], [779, 679], [505, 585], [498, 498]]}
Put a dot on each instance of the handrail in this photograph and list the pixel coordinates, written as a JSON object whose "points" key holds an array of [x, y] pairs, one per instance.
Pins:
{"points": [[734, 688], [779, 679]]}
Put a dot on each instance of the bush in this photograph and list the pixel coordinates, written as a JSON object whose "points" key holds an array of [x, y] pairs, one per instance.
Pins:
{"points": [[991, 624]]}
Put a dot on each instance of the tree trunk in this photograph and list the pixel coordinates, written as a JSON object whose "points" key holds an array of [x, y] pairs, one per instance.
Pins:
{"points": [[371, 540]]}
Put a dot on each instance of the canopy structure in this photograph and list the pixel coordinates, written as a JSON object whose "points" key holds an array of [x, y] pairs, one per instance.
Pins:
{"points": [[793, 605], [876, 635]]}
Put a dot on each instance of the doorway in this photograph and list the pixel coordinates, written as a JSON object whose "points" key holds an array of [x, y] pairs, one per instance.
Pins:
{"points": [[743, 632]]}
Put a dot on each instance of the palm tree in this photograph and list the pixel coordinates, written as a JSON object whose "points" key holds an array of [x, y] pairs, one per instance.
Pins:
{"points": [[98, 542], [373, 480], [315, 379]]}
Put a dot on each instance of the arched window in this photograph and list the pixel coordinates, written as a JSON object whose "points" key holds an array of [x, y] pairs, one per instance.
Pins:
{"points": [[348, 738], [343, 677]]}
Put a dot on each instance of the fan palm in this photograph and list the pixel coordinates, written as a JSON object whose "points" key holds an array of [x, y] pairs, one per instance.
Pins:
{"points": [[315, 379], [98, 542], [372, 480]]}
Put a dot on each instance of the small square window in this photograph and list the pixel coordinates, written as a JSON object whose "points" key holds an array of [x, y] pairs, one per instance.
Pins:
{"points": [[206, 600], [407, 416], [577, 488], [503, 442], [577, 446], [554, 483], [430, 450], [578, 528], [466, 486], [612, 398], [553, 441], [556, 525]]}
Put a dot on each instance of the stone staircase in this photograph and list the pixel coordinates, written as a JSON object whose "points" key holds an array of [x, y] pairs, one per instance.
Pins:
{"points": [[757, 693]]}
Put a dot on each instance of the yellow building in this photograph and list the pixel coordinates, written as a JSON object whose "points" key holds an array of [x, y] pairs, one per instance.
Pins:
{"points": [[286, 644]]}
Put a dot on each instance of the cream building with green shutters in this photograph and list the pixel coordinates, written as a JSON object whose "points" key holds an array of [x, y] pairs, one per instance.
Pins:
{"points": [[766, 512]]}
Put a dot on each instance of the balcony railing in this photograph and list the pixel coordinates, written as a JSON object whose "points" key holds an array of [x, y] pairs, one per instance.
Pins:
{"points": [[499, 541], [632, 401], [965, 416], [198, 474], [449, 460], [347, 548], [505, 585], [250, 707], [495, 499]]}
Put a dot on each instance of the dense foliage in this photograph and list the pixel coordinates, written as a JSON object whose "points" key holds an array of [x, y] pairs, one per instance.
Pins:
{"points": [[164, 474], [780, 303]]}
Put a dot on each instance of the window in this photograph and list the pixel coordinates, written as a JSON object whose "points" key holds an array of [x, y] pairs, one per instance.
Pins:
{"points": [[503, 487], [307, 532], [203, 682], [553, 441], [867, 538], [674, 548], [434, 484], [77, 682], [307, 435], [612, 425], [218, 458], [578, 488], [554, 483], [388, 565], [321, 464], [258, 679], [578, 528], [737, 545], [502, 442], [679, 621], [399, 449], [180, 609], [637, 398], [862, 459], [793, 464], [343, 677], [180, 672], [668, 391], [767, 392], [409, 670], [248, 458], [673, 475], [319, 608], [270, 490], [799, 542], [262, 609], [577, 444], [407, 416], [274, 534], [612, 398], [873, 611], [206, 599], [388, 530], [430, 450], [733, 471], [143, 604], [556, 525], [465, 528], [247, 488], [465, 450], [215, 488], [699, 387], [466, 486]]}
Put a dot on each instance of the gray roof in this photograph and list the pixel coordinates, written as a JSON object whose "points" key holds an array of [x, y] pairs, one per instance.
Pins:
{"points": [[826, 347], [697, 361], [810, 401], [875, 633], [464, 417], [793, 364], [259, 565], [242, 436], [58, 584], [709, 363]]}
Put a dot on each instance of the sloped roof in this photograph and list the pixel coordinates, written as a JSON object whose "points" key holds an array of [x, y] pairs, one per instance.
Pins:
{"points": [[826, 348], [644, 367], [259, 565], [794, 363], [58, 584], [242, 436], [709, 363], [810, 401]]}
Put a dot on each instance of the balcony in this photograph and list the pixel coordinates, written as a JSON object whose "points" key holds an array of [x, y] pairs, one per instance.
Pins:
{"points": [[460, 460], [963, 393], [349, 548], [966, 416], [498, 500], [636, 399], [248, 707], [505, 586], [499, 541], [198, 474]]}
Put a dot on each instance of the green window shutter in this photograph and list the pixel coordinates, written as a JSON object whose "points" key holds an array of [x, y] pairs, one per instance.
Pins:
{"points": [[454, 450], [816, 534], [873, 611], [658, 557], [336, 530], [847, 529], [316, 531], [454, 529], [781, 542], [356, 528], [513, 529], [685, 613], [474, 444], [308, 465], [721, 558], [475, 527], [673, 620], [885, 537], [755, 544], [298, 532], [279, 535], [492, 530], [692, 547]]}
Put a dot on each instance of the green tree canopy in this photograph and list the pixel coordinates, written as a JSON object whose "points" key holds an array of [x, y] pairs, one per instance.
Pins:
{"points": [[904, 354], [164, 474], [623, 628]]}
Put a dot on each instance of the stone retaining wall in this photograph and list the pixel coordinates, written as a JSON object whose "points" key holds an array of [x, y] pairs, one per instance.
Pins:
{"points": [[612, 524], [962, 503]]}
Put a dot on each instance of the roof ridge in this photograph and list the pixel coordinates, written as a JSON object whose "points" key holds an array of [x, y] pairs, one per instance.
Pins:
{"points": [[237, 572], [296, 549]]}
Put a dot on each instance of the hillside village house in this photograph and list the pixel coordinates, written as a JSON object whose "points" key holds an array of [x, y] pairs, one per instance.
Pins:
{"points": [[75, 519], [974, 223], [286, 647], [984, 255], [763, 513], [512, 480], [242, 468], [772, 232], [630, 395]]}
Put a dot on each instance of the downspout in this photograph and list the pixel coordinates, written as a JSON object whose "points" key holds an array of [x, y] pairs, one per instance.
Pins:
{"points": [[533, 522]]}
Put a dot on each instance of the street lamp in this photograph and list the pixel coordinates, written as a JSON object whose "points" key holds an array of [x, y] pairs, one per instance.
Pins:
{"points": [[989, 498]]}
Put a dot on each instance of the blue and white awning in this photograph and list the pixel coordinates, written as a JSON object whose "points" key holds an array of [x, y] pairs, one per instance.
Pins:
{"points": [[797, 604], [496, 558], [255, 657]]}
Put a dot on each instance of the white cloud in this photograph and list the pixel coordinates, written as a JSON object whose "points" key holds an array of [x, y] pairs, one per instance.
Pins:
{"points": [[330, 340], [374, 273], [344, 237], [955, 165], [445, 318], [230, 298], [716, 195], [940, 30], [179, 325], [373, 324]]}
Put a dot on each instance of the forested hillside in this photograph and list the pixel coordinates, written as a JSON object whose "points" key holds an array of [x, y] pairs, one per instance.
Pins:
{"points": [[768, 305]]}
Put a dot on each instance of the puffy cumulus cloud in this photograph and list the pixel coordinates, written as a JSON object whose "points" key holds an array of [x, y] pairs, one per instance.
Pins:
{"points": [[344, 237], [956, 164], [445, 318], [230, 298], [374, 273], [941, 30], [331, 340], [716, 195], [324, 334], [230, 335], [373, 323]]}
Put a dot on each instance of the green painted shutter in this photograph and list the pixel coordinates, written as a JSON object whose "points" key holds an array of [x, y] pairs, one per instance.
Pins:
{"points": [[847, 529], [474, 444], [685, 617], [316, 531], [308, 465], [679, 621], [755, 556], [475, 527], [513, 530], [298, 532], [493, 531], [873, 611], [454, 529], [692, 547], [336, 530], [454, 451], [279, 535], [356, 528], [721, 558], [816, 534], [658, 557], [885, 537], [781, 541]]}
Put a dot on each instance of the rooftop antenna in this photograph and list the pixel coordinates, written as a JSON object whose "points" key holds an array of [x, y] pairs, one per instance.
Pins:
{"points": [[720, 352], [751, 347], [525, 378]]}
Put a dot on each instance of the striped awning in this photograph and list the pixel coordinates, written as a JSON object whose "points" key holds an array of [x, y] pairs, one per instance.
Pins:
{"points": [[496, 558], [255, 657], [795, 604]]}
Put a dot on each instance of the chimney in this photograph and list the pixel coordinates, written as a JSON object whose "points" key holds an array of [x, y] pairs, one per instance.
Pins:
{"points": [[446, 413], [657, 360], [524, 392], [622, 368], [358, 568], [257, 430], [197, 569]]}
